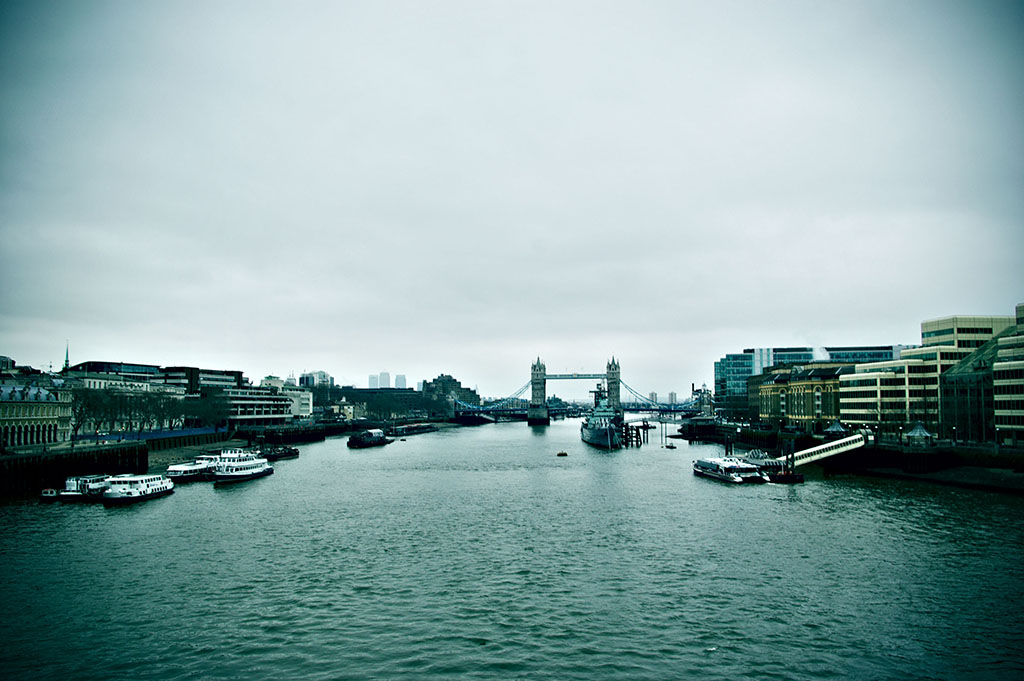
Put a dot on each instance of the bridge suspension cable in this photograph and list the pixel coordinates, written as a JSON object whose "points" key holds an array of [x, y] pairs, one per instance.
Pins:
{"points": [[652, 403], [501, 404], [637, 395]]}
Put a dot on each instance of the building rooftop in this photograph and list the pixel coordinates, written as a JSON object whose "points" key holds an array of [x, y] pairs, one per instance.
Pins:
{"points": [[26, 393]]}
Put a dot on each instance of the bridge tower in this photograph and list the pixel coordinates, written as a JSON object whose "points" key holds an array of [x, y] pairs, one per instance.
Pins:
{"points": [[613, 373], [537, 414]]}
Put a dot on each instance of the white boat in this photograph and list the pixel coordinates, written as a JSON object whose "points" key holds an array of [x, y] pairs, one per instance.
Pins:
{"points": [[729, 469], [130, 489], [237, 465], [83, 488], [201, 468]]}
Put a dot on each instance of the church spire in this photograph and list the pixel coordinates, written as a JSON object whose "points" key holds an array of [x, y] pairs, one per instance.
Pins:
{"points": [[67, 356]]}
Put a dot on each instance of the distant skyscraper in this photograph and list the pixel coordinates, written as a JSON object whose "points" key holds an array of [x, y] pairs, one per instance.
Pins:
{"points": [[385, 379], [400, 381], [672, 398], [653, 397], [373, 381], [316, 379]]}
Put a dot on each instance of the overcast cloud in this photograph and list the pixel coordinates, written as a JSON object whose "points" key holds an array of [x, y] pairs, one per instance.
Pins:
{"points": [[463, 186]]}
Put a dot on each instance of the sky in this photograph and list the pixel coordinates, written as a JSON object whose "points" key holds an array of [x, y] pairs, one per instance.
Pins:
{"points": [[462, 187]]}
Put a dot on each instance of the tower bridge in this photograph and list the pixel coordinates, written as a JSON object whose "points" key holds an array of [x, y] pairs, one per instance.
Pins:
{"points": [[538, 412], [538, 415]]}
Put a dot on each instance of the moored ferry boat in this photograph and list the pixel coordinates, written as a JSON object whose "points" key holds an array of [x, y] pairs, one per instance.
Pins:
{"points": [[602, 427], [374, 437], [82, 488], [238, 465], [729, 469], [131, 488], [413, 429], [278, 452], [201, 468]]}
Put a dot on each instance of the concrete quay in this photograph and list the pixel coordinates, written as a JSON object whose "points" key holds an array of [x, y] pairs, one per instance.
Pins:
{"points": [[980, 466]]}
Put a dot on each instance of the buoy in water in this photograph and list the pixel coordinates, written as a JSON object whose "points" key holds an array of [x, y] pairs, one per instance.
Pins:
{"points": [[562, 454]]}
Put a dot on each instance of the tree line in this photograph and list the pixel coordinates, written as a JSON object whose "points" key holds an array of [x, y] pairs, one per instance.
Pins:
{"points": [[99, 410]]}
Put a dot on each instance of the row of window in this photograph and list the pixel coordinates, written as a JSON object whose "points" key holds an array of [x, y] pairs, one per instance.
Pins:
{"points": [[930, 357], [964, 394], [858, 394], [1009, 405], [889, 404], [860, 382], [1009, 389], [960, 330], [1007, 374], [14, 436], [28, 410], [1009, 420]]}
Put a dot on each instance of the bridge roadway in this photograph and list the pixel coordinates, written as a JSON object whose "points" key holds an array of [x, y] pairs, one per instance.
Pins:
{"points": [[638, 408]]}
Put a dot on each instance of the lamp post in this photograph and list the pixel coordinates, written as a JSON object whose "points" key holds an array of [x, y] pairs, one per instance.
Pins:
{"points": [[954, 434]]}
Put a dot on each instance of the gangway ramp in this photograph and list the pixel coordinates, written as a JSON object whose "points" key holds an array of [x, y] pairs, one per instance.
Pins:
{"points": [[826, 450]]}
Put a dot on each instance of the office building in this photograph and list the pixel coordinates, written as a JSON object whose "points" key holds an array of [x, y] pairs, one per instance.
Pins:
{"points": [[302, 398], [316, 379], [250, 406], [1008, 384], [194, 380], [893, 396], [732, 372]]}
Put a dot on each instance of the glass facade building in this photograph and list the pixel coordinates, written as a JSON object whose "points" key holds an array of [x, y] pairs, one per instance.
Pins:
{"points": [[733, 371]]}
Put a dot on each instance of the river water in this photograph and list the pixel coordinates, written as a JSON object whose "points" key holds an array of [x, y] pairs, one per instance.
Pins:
{"points": [[476, 553]]}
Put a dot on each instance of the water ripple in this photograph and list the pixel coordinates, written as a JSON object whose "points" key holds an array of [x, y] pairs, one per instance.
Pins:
{"points": [[476, 554]]}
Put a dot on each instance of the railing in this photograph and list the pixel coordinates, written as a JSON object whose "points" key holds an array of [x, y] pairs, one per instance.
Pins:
{"points": [[826, 450]]}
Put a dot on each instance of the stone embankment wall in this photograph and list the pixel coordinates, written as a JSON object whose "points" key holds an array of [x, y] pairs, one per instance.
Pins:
{"points": [[28, 473], [179, 441]]}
